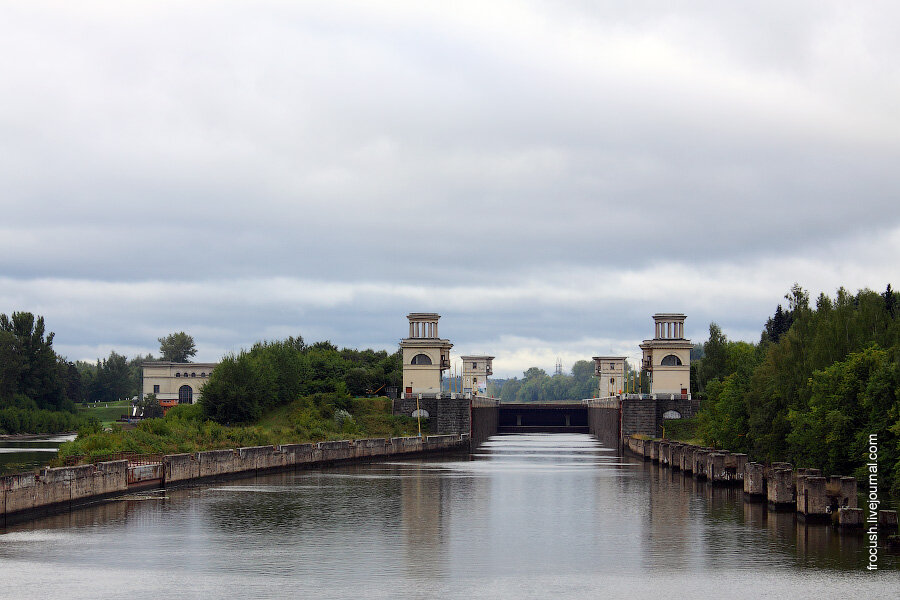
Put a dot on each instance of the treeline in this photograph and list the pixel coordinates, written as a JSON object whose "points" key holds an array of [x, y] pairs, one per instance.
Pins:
{"points": [[820, 382], [38, 388], [537, 386], [270, 374]]}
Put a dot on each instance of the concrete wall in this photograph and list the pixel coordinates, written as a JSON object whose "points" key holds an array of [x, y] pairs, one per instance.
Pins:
{"points": [[61, 486], [604, 425], [644, 416], [485, 421], [67, 486], [446, 415]]}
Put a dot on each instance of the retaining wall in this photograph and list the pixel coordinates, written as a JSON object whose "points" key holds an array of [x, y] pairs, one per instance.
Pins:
{"points": [[603, 423], [64, 487], [485, 423]]}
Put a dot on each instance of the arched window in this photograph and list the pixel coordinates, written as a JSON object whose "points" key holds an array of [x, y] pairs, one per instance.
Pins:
{"points": [[193, 374], [671, 361], [185, 374], [185, 395], [671, 414], [421, 359], [202, 374], [177, 374]]}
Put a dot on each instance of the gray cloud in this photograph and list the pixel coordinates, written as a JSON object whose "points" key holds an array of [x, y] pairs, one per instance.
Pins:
{"points": [[324, 168]]}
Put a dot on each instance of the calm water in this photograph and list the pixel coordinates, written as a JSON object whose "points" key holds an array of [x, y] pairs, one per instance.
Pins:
{"points": [[17, 456], [537, 516]]}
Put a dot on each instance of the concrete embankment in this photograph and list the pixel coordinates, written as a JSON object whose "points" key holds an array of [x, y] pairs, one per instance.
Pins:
{"points": [[783, 488], [52, 489]]}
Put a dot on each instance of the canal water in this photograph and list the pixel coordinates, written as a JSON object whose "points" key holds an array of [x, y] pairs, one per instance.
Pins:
{"points": [[527, 516], [18, 454]]}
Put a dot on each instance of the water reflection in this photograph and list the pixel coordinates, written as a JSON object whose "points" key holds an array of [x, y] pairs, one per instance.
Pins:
{"points": [[527, 516], [19, 455]]}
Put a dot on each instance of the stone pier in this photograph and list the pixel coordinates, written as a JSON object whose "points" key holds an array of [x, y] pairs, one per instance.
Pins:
{"points": [[780, 487]]}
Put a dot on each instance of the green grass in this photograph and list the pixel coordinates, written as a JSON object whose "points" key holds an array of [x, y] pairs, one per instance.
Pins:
{"points": [[106, 413], [310, 419], [683, 430]]}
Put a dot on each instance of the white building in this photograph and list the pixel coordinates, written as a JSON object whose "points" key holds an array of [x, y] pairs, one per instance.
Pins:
{"points": [[475, 372], [610, 370], [668, 355], [425, 355], [175, 383]]}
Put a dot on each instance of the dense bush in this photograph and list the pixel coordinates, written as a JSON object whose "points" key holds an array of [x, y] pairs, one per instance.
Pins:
{"points": [[244, 386], [21, 420], [185, 428]]}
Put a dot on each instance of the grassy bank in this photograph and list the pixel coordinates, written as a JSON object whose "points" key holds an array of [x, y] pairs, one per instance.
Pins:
{"points": [[309, 419], [106, 413], [683, 430]]}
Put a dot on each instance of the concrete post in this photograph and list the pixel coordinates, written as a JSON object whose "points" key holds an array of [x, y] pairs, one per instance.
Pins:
{"points": [[812, 502], [700, 463], [715, 468], [887, 519], [734, 464], [850, 517], [848, 492], [654, 451], [754, 481], [675, 452], [779, 488], [687, 459]]}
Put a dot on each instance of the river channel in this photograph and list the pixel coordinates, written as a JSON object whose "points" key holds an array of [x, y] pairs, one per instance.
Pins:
{"points": [[526, 516]]}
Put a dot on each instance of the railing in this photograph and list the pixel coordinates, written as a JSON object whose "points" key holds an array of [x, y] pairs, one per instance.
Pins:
{"points": [[485, 401], [610, 401], [606, 402], [133, 459]]}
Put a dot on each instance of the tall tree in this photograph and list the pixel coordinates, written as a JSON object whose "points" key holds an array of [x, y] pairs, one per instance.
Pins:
{"points": [[33, 363], [177, 347]]}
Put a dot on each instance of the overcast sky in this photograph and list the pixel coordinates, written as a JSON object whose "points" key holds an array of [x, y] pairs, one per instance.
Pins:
{"points": [[545, 175]]}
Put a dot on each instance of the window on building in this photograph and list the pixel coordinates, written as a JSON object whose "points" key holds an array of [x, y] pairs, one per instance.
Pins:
{"points": [[193, 374], [612, 365], [474, 365], [177, 374], [156, 389], [421, 359], [202, 374], [185, 395], [671, 360]]}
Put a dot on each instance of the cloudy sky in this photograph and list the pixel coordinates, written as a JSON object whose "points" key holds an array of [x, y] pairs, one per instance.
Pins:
{"points": [[546, 175]]}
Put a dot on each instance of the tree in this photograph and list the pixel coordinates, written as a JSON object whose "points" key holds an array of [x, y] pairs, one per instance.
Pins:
{"points": [[32, 369], [715, 353], [239, 389], [535, 373], [177, 347]]}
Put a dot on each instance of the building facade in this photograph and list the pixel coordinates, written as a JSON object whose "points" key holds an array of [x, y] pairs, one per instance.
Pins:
{"points": [[425, 355], [610, 370], [668, 355], [175, 383], [475, 373]]}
